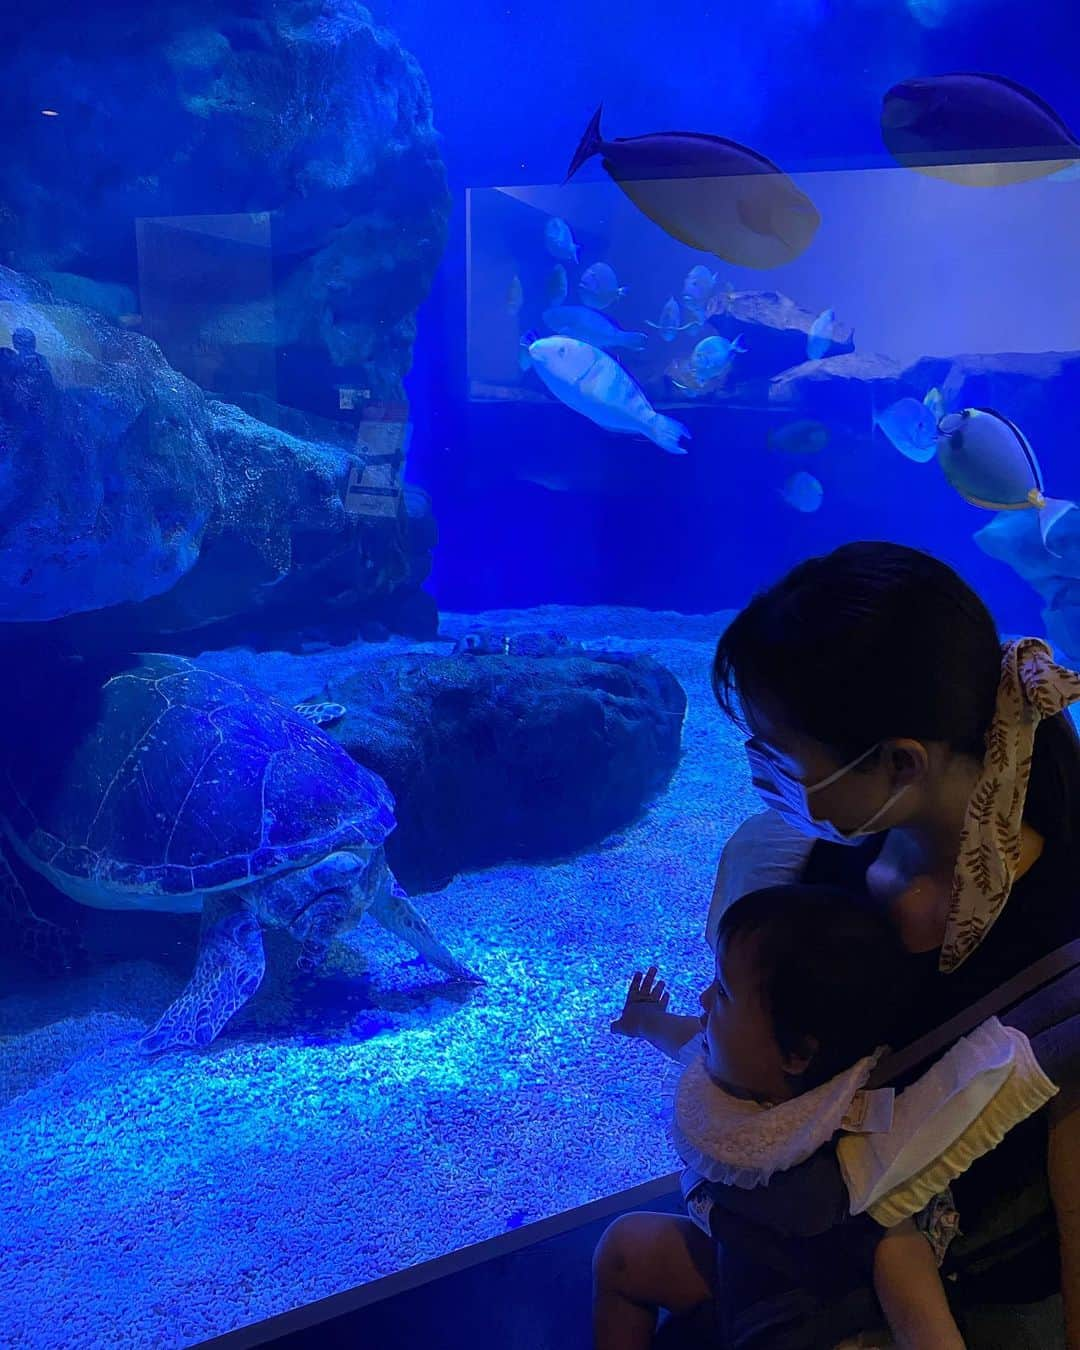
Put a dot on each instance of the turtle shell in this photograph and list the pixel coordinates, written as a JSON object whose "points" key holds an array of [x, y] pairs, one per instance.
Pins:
{"points": [[187, 781]]}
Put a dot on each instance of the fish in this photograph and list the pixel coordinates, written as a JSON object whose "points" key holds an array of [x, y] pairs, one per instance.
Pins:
{"points": [[713, 357], [557, 285], [669, 326], [803, 492], [975, 130], [820, 338], [322, 714], [593, 384], [698, 289], [990, 463], [711, 193], [515, 296], [911, 427], [560, 240], [805, 437], [681, 374], [599, 286], [589, 325]]}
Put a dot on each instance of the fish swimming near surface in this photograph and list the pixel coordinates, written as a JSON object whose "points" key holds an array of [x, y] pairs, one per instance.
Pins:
{"points": [[560, 240], [708, 192], [975, 130], [669, 326], [804, 437], [803, 492], [599, 286], [557, 285], [990, 462], [515, 296], [820, 337], [593, 384], [713, 356], [589, 325], [911, 427]]}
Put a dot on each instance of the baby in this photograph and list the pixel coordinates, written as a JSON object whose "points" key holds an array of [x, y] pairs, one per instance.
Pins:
{"points": [[805, 993]]}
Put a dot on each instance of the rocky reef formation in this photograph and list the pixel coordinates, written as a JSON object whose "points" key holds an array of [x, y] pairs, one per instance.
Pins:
{"points": [[124, 488], [271, 217], [288, 145]]}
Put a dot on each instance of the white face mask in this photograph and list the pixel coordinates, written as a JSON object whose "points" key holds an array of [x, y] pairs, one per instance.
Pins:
{"points": [[791, 799]]}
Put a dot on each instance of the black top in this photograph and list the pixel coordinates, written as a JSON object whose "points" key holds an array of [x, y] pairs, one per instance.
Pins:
{"points": [[1041, 914]]}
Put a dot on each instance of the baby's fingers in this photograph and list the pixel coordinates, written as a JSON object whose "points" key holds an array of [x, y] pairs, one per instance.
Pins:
{"points": [[665, 1001], [658, 990]]}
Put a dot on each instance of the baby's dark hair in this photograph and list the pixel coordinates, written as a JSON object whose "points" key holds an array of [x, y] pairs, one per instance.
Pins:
{"points": [[830, 966]]}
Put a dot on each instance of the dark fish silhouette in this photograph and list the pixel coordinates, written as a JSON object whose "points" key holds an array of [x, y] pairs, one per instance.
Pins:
{"points": [[710, 193], [977, 130]]}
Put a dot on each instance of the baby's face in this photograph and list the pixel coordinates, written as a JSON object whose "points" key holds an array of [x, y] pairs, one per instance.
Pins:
{"points": [[741, 1053]]}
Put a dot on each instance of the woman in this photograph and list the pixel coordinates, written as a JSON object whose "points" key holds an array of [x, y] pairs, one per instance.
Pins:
{"points": [[886, 730]]}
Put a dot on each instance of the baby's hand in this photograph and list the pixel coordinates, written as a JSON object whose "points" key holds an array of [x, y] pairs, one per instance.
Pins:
{"points": [[646, 996]]}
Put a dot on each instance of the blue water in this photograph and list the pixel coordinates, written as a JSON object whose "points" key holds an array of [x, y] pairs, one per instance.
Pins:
{"points": [[217, 207]]}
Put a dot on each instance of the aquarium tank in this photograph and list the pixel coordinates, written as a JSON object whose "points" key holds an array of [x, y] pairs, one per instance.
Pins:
{"points": [[395, 405]]}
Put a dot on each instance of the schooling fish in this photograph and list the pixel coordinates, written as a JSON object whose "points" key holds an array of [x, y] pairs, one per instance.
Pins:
{"points": [[713, 356], [708, 192], [589, 325], [800, 438], [560, 240], [803, 492], [990, 462], [820, 338], [515, 296], [976, 130], [593, 384], [911, 426], [599, 286], [669, 326], [557, 285]]}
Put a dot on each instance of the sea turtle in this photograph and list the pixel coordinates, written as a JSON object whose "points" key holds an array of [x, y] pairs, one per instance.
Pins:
{"points": [[490, 642], [185, 790]]}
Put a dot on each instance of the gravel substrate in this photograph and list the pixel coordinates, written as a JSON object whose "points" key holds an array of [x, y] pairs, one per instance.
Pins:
{"points": [[160, 1202]]}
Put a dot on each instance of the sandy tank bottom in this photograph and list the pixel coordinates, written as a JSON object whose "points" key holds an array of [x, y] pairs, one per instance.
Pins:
{"points": [[160, 1202]]}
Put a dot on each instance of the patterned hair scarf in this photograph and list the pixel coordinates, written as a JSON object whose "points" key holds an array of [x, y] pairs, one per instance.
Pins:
{"points": [[1032, 687]]}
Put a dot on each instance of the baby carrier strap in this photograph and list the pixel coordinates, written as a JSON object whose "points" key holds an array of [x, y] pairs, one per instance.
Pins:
{"points": [[1048, 968]]}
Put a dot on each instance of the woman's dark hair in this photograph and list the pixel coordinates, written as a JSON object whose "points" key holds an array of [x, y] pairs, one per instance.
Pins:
{"points": [[875, 641], [829, 965]]}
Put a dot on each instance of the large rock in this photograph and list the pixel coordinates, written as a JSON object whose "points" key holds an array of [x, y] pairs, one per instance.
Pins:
{"points": [[243, 145], [123, 487], [499, 757], [775, 331]]}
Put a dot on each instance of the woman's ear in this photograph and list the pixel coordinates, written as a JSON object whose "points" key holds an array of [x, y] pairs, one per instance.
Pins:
{"points": [[908, 761]]}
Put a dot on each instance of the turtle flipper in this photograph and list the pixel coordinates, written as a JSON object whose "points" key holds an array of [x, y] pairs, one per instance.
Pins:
{"points": [[228, 970], [396, 913]]}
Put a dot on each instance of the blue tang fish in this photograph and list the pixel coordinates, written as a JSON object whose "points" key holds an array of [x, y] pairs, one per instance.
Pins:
{"points": [[589, 325], [708, 192], [712, 357], [599, 286], [560, 240], [595, 385], [819, 339], [669, 327], [975, 130], [803, 492], [990, 462]]}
